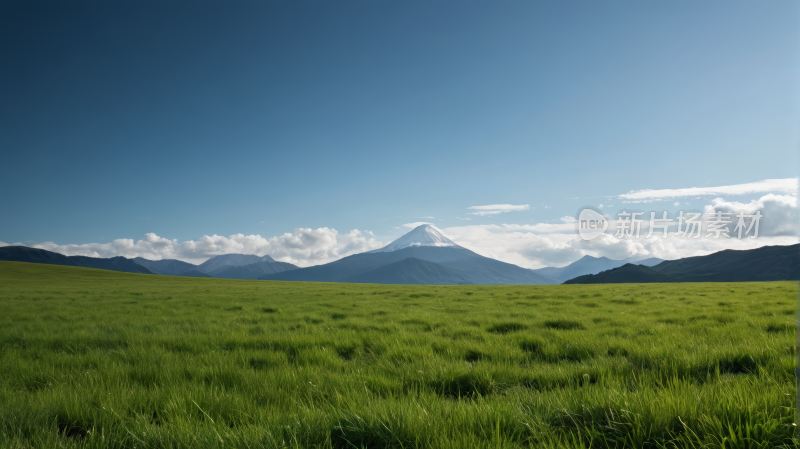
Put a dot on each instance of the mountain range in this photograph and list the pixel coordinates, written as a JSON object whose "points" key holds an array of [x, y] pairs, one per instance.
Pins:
{"points": [[422, 256], [425, 256], [768, 263], [592, 265], [252, 270], [229, 266]]}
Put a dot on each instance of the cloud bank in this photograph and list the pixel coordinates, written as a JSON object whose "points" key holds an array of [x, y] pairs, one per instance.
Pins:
{"points": [[304, 247], [557, 244], [494, 209], [788, 185], [781, 214]]}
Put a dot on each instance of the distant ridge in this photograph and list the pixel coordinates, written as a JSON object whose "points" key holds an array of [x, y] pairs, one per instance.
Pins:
{"points": [[33, 255], [592, 265], [36, 255], [225, 260], [226, 266], [768, 263]]}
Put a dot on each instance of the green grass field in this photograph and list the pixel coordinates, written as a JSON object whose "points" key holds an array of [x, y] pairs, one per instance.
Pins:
{"points": [[93, 358]]}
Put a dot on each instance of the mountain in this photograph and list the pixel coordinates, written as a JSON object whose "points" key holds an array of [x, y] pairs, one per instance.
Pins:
{"points": [[168, 267], [253, 270], [427, 244], [409, 271], [35, 255], [235, 260], [592, 265], [649, 262], [424, 235], [768, 263]]}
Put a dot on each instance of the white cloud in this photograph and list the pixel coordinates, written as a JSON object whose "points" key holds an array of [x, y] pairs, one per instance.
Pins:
{"points": [[557, 244], [600, 206], [568, 219], [678, 203], [507, 242], [430, 218], [501, 207], [780, 213], [459, 218], [788, 185], [303, 247], [150, 247], [414, 225], [486, 212], [494, 209]]}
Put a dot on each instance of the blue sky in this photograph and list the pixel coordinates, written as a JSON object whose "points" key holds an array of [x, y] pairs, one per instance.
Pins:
{"points": [[189, 119]]}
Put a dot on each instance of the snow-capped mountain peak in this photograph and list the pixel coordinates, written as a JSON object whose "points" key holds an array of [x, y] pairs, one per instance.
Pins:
{"points": [[424, 235]]}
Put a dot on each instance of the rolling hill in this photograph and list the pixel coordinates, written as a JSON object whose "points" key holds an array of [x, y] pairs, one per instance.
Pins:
{"points": [[169, 267], [592, 265], [768, 263], [224, 266], [36, 255]]}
